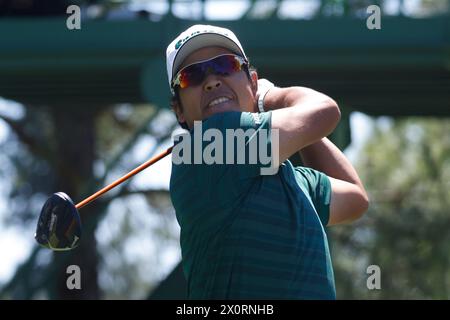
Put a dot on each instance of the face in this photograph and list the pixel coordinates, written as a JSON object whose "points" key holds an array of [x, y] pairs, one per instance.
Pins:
{"points": [[216, 93]]}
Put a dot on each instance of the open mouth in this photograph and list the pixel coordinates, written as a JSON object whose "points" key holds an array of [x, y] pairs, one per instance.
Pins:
{"points": [[218, 101]]}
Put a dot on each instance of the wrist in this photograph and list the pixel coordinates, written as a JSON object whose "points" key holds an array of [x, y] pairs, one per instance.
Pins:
{"points": [[263, 87]]}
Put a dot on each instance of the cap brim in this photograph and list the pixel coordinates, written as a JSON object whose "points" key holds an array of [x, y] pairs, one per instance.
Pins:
{"points": [[204, 40]]}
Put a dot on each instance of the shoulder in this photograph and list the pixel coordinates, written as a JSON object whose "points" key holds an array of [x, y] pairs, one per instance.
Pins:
{"points": [[313, 181]]}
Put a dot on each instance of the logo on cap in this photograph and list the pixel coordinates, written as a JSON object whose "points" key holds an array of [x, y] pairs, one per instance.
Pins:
{"points": [[181, 41]]}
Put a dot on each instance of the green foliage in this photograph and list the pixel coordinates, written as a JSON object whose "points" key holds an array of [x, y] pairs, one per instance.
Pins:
{"points": [[134, 245], [48, 144], [406, 170]]}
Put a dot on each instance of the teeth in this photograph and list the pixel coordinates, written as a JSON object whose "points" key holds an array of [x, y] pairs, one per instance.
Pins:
{"points": [[217, 101]]}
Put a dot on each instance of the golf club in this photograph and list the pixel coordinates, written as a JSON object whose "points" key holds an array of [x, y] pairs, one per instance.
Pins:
{"points": [[59, 223]]}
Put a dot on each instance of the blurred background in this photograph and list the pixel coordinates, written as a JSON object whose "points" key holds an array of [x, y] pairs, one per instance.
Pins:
{"points": [[79, 108]]}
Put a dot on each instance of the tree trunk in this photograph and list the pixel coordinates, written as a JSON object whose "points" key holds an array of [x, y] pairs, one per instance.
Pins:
{"points": [[75, 146]]}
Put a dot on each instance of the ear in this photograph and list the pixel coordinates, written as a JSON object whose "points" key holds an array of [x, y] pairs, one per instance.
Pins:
{"points": [[178, 109]]}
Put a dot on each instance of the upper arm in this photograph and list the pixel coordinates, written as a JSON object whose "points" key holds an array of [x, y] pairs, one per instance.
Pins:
{"points": [[348, 202], [310, 117]]}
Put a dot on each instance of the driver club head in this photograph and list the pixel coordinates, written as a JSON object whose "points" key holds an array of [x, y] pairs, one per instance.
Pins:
{"points": [[59, 224]]}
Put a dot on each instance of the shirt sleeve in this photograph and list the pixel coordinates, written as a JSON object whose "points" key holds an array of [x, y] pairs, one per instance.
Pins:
{"points": [[244, 160], [318, 186]]}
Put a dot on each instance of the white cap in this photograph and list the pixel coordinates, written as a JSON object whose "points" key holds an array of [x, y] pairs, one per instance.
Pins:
{"points": [[196, 37]]}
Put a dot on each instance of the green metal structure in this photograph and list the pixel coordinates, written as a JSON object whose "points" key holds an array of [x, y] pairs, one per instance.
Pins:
{"points": [[402, 69]]}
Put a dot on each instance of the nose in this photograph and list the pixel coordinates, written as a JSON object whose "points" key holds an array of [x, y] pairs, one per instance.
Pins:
{"points": [[212, 83]]}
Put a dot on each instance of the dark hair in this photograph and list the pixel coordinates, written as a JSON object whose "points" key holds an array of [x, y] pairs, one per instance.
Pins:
{"points": [[175, 99]]}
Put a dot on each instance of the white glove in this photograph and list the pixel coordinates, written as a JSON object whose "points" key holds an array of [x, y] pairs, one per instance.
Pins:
{"points": [[264, 86]]}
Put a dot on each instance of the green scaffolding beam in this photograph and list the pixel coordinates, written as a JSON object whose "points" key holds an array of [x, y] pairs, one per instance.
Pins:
{"points": [[397, 70]]}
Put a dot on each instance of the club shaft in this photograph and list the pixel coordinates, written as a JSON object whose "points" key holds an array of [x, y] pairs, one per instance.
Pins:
{"points": [[124, 178]]}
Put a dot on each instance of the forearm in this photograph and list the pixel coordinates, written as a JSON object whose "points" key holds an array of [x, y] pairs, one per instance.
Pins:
{"points": [[349, 199], [277, 98], [322, 155], [326, 157], [301, 117]]}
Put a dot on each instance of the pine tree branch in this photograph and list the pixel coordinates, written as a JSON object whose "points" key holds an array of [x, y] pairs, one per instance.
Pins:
{"points": [[36, 148]]}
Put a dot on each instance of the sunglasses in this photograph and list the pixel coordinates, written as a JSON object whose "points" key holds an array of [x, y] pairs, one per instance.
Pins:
{"points": [[194, 74]]}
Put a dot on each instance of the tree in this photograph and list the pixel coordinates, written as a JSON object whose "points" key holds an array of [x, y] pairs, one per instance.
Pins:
{"points": [[406, 168], [58, 149]]}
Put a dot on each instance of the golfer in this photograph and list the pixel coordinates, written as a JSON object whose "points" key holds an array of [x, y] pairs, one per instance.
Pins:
{"points": [[247, 235]]}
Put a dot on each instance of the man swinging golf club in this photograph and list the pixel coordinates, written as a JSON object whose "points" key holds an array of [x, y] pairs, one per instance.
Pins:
{"points": [[245, 235]]}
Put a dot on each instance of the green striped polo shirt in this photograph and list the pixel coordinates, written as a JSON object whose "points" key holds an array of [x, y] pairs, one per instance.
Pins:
{"points": [[250, 236]]}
